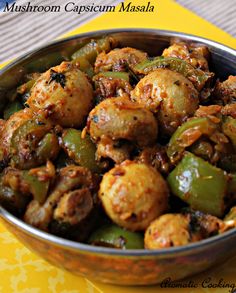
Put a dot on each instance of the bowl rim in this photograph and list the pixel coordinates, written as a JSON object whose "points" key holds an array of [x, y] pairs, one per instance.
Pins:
{"points": [[94, 33], [77, 246]]}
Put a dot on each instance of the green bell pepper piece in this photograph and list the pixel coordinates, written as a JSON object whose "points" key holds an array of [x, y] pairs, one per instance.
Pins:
{"points": [[26, 87], [198, 77], [187, 134], [12, 108], [33, 182], [91, 50], [81, 150], [83, 64], [201, 185], [43, 63], [48, 147], [113, 236], [39, 189], [68, 179], [31, 145]]}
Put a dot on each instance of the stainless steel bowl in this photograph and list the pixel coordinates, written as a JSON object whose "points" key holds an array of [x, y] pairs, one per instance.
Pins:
{"points": [[123, 267]]}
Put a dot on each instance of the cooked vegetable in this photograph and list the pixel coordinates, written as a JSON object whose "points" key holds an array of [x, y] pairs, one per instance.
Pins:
{"points": [[110, 84], [195, 54], [8, 129], [181, 229], [115, 150], [81, 149], [74, 216], [112, 74], [70, 178], [156, 157], [169, 95], [79, 201], [14, 201], [232, 186], [225, 91], [198, 77], [204, 149], [133, 195], [26, 87], [123, 120], [118, 120], [187, 134], [229, 128], [116, 237], [35, 181], [32, 144], [201, 185], [229, 110], [119, 59], [91, 50], [171, 230], [83, 64], [208, 225], [63, 95], [113, 143], [12, 108]]}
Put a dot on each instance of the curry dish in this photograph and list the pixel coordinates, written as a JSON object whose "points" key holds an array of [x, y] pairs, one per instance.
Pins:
{"points": [[117, 148]]}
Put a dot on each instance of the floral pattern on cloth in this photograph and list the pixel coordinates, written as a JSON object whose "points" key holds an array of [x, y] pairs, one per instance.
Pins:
{"points": [[21, 271]]}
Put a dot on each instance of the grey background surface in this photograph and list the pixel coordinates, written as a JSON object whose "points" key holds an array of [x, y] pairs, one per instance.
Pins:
{"points": [[22, 32]]}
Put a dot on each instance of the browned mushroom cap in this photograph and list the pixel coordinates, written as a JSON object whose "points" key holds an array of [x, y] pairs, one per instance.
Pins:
{"points": [[170, 230], [118, 59], [74, 206], [8, 128], [195, 54], [75, 215], [226, 91], [168, 94], [133, 195], [117, 124], [119, 118], [62, 94], [70, 178]]}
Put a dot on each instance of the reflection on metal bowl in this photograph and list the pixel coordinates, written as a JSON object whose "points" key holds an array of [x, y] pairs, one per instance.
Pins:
{"points": [[123, 267]]}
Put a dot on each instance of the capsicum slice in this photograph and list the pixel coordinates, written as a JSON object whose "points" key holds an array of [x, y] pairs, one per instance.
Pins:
{"points": [[187, 134], [198, 77], [229, 128], [111, 235], [200, 184], [81, 150], [93, 48]]}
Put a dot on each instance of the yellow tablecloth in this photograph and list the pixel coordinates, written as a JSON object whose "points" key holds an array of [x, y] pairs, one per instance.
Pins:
{"points": [[22, 271]]}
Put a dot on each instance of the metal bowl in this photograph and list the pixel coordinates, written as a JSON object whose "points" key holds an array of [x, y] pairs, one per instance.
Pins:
{"points": [[123, 267]]}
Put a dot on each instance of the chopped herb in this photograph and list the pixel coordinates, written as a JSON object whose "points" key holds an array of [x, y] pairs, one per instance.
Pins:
{"points": [[58, 77], [177, 82]]}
